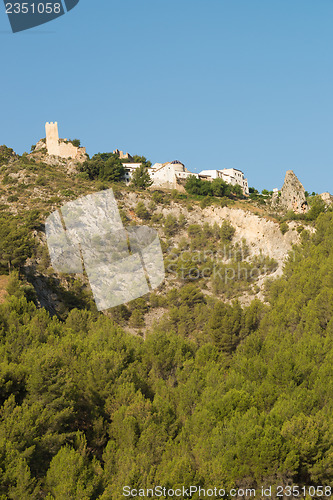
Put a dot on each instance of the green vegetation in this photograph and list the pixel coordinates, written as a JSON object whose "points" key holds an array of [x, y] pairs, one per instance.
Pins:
{"points": [[141, 211], [227, 231], [284, 227], [217, 188], [259, 198], [158, 197], [216, 394], [170, 225], [317, 206], [141, 178], [105, 167], [141, 159], [76, 142], [15, 243], [5, 154]]}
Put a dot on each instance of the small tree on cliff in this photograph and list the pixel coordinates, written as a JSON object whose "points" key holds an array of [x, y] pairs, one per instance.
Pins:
{"points": [[141, 178]]}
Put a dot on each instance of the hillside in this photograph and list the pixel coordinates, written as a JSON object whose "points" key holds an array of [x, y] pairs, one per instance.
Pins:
{"points": [[218, 237], [221, 377]]}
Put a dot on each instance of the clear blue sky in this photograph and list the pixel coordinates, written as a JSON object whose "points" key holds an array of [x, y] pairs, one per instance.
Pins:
{"points": [[213, 83]]}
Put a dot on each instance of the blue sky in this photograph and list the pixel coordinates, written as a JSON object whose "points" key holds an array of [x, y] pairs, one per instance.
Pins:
{"points": [[213, 83]]}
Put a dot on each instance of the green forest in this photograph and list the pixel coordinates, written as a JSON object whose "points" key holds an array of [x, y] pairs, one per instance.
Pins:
{"points": [[87, 409], [211, 394]]}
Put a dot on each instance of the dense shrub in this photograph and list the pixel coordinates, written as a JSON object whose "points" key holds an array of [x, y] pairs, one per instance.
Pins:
{"points": [[217, 188], [141, 211], [284, 227], [5, 154], [170, 225], [227, 231], [104, 166]]}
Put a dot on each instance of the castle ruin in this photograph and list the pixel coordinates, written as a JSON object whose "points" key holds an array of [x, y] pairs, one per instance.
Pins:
{"points": [[122, 155], [61, 147]]}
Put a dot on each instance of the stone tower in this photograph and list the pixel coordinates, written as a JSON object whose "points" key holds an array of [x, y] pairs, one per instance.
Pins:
{"points": [[52, 138], [62, 147]]}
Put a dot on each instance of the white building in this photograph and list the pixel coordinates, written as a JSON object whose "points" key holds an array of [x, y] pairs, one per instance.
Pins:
{"points": [[229, 175], [213, 174], [129, 169], [171, 175]]}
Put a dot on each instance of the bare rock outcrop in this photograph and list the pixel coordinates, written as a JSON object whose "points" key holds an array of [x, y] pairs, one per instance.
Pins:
{"points": [[327, 198], [262, 235], [293, 194]]}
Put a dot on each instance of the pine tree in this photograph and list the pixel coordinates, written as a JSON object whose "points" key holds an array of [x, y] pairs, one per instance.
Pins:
{"points": [[141, 178]]}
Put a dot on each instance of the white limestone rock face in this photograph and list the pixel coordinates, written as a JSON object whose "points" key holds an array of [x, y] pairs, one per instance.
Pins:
{"points": [[293, 194], [263, 236]]}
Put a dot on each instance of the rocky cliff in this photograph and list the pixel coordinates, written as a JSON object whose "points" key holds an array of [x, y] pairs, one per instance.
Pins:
{"points": [[293, 194]]}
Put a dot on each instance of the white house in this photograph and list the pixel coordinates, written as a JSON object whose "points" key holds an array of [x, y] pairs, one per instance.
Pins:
{"points": [[169, 175], [164, 175], [229, 175], [173, 175], [129, 169]]}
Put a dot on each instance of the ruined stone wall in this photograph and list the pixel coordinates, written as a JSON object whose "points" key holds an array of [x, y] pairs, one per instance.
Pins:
{"points": [[67, 150]]}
